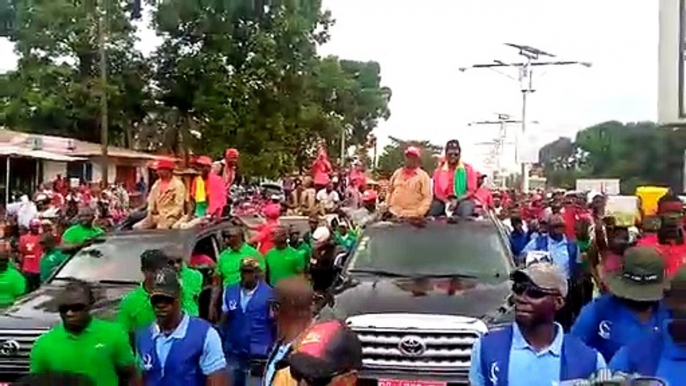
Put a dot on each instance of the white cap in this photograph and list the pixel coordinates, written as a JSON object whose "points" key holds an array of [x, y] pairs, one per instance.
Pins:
{"points": [[321, 234]]}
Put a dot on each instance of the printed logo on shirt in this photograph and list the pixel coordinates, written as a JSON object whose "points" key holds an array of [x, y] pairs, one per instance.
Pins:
{"points": [[493, 374], [232, 305], [99, 345], [147, 362], [604, 329]]}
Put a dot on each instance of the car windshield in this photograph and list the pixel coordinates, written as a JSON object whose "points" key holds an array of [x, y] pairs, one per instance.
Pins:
{"points": [[116, 259], [439, 249]]}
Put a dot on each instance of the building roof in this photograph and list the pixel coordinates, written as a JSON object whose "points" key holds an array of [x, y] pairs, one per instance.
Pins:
{"points": [[67, 146]]}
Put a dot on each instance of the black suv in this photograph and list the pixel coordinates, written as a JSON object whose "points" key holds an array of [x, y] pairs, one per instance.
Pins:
{"points": [[418, 298], [113, 265]]}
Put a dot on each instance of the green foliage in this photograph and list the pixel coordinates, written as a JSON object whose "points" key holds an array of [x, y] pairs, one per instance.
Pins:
{"points": [[638, 153], [241, 73], [393, 156]]}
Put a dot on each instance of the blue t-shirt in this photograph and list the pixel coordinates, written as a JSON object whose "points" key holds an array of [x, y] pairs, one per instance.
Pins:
{"points": [[607, 324], [671, 364]]}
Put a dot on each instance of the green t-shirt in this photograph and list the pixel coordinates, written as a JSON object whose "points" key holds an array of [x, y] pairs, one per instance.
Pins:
{"points": [[191, 281], [77, 234], [135, 310], [283, 263], [50, 261], [12, 285], [229, 263], [97, 352]]}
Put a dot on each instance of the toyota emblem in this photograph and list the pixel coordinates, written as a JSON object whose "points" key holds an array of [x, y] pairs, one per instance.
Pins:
{"points": [[9, 347], [412, 345]]}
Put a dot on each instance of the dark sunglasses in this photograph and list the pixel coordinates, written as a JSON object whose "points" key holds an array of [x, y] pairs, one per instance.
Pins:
{"points": [[161, 299], [63, 309], [321, 381], [274, 305], [178, 261], [532, 291]]}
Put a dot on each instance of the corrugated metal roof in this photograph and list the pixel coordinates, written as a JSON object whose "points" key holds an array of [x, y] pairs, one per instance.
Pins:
{"points": [[19, 151], [72, 147]]}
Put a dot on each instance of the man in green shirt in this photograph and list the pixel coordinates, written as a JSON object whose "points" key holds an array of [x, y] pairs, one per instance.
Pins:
{"points": [[283, 261], [53, 256], [84, 345], [12, 282], [82, 233], [191, 282], [135, 310], [229, 261]]}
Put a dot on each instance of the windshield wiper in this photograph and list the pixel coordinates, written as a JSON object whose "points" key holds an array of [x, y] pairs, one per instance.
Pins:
{"points": [[66, 278], [114, 281], [379, 272], [444, 276]]}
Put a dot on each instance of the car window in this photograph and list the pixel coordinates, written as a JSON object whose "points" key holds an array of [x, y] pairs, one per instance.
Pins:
{"points": [[437, 249], [115, 259]]}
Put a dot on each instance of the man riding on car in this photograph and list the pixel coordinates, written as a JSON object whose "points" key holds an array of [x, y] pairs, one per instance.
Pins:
{"points": [[166, 199]]}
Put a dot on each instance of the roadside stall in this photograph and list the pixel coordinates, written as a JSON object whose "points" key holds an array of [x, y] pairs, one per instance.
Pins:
{"points": [[29, 178]]}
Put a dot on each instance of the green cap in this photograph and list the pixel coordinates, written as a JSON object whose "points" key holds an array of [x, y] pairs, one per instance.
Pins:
{"points": [[642, 276]]}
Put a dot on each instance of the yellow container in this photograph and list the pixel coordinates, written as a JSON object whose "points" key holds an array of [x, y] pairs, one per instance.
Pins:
{"points": [[649, 196]]}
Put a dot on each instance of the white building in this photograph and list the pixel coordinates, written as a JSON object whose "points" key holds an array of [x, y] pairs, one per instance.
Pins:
{"points": [[672, 63]]}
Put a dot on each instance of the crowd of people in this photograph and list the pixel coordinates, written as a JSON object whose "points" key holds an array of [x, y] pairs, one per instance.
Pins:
{"points": [[588, 294]]}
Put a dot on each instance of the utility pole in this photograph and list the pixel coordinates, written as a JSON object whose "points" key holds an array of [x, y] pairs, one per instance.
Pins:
{"points": [[531, 57], [498, 144], [104, 124]]}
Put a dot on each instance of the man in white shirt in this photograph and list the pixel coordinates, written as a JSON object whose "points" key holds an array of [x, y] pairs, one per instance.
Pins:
{"points": [[328, 198]]}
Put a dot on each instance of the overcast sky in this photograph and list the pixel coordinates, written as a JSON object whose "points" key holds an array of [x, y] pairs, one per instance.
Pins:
{"points": [[421, 44]]}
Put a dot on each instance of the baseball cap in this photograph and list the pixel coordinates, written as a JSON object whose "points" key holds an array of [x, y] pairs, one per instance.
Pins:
{"points": [[642, 276], [327, 349], [321, 234], [453, 144], [369, 195], [165, 164], [153, 260], [413, 150], [544, 275], [166, 283], [250, 264], [203, 160]]}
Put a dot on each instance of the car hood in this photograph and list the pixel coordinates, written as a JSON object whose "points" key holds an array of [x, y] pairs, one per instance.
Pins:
{"points": [[447, 296], [39, 308]]}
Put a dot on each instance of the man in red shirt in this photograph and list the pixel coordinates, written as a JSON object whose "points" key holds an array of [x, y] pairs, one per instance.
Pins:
{"points": [[445, 183], [483, 195], [30, 252], [669, 239]]}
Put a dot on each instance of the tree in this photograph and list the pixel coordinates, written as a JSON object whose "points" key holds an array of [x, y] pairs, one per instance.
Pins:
{"points": [[393, 156], [55, 88], [637, 153]]}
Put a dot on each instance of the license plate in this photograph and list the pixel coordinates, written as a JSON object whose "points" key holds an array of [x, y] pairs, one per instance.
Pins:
{"points": [[402, 382]]}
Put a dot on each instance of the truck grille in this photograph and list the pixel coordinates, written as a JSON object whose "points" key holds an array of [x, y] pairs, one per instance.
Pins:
{"points": [[434, 343], [15, 348]]}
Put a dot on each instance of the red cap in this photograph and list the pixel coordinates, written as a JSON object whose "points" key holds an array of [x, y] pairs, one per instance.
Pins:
{"points": [[231, 153], [413, 150], [165, 164], [203, 160], [272, 211], [369, 195]]}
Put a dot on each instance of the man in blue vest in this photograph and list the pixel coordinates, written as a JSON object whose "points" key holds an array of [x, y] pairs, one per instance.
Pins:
{"points": [[661, 354], [246, 320], [631, 310], [177, 349], [533, 350], [563, 253]]}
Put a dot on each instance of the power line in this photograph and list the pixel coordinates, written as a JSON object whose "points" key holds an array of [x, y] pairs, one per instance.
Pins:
{"points": [[531, 60]]}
